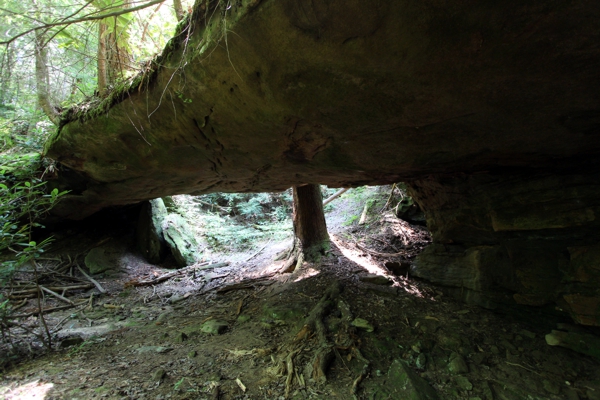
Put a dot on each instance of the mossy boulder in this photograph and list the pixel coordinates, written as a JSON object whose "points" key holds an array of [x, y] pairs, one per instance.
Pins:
{"points": [[180, 239], [98, 261]]}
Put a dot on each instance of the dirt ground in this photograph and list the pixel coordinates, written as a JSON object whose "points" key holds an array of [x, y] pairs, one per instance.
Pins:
{"points": [[341, 328]]}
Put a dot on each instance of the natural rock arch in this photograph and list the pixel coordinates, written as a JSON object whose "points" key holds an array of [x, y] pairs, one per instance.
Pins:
{"points": [[490, 112]]}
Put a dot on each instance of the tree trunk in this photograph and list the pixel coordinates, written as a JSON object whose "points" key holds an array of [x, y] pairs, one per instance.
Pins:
{"points": [[102, 68], [42, 78], [113, 55], [178, 9], [309, 221], [6, 74]]}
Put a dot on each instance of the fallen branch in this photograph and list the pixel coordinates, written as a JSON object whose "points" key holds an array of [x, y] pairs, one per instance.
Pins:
{"points": [[31, 291], [223, 209], [45, 310], [390, 198], [258, 252], [376, 253], [334, 196], [363, 216], [98, 286], [58, 296], [182, 271]]}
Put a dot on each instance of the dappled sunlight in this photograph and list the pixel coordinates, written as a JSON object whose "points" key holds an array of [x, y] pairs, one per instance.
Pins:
{"points": [[371, 266], [414, 290], [358, 257], [31, 390], [307, 273]]}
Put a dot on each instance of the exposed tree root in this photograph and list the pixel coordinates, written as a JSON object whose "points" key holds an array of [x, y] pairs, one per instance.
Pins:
{"points": [[297, 254], [314, 335]]}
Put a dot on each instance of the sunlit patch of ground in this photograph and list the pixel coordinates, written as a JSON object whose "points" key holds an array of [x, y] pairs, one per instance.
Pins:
{"points": [[31, 390]]}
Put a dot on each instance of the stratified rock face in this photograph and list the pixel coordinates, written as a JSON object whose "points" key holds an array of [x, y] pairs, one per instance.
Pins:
{"points": [[525, 239], [490, 109]]}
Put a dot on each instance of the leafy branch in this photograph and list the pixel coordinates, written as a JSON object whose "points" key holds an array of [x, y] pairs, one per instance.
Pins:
{"points": [[94, 16]]}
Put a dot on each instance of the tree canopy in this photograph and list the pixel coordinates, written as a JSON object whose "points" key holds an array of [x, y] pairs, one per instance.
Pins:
{"points": [[56, 53]]}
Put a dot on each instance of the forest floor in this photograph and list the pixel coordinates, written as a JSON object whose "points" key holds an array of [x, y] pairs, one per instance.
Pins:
{"points": [[354, 325]]}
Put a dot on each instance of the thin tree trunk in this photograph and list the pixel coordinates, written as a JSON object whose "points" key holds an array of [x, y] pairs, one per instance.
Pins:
{"points": [[102, 64], [309, 221], [42, 79], [178, 9], [6, 74], [113, 56]]}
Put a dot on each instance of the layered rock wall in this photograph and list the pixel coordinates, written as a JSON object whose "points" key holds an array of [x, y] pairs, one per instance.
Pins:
{"points": [[531, 239]]}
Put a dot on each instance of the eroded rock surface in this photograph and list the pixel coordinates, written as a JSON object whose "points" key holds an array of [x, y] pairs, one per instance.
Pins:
{"points": [[149, 235]]}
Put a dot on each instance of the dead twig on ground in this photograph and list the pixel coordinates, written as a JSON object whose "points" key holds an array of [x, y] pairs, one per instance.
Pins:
{"points": [[389, 198], [179, 272], [46, 310], [30, 292], [376, 253], [98, 286], [258, 252], [58, 296], [41, 311]]}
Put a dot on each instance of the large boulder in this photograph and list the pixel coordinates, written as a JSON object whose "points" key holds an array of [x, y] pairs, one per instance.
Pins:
{"points": [[181, 240], [341, 93]]}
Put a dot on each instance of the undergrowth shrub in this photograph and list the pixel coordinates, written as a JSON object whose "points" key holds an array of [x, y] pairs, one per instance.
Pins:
{"points": [[23, 202]]}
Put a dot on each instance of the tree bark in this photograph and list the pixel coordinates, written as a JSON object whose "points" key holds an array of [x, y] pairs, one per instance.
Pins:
{"points": [[178, 9], [309, 221], [102, 63], [6, 74], [42, 76], [42, 79], [113, 55]]}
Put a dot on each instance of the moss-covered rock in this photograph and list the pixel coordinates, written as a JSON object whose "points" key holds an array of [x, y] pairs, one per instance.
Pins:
{"points": [[97, 261], [180, 239]]}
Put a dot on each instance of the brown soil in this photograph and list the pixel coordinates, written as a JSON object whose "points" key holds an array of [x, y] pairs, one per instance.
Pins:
{"points": [[276, 325]]}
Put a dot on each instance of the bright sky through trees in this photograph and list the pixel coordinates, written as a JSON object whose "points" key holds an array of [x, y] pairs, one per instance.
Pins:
{"points": [[67, 34]]}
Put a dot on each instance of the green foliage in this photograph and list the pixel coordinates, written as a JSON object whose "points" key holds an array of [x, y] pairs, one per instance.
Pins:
{"points": [[236, 221], [178, 384], [21, 206], [23, 201], [350, 220], [77, 349], [260, 208]]}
